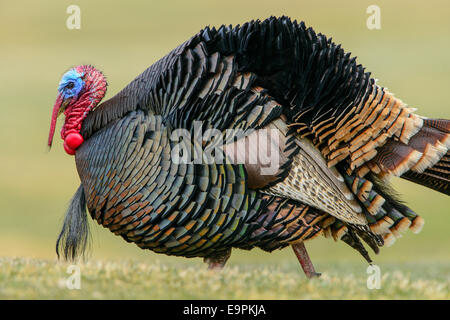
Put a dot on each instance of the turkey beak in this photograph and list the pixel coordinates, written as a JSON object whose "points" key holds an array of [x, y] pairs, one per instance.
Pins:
{"points": [[58, 108]]}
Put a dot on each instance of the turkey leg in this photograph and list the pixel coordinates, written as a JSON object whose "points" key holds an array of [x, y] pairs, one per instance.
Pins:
{"points": [[218, 260], [305, 261]]}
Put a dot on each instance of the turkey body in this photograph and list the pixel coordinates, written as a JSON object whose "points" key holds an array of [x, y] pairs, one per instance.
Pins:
{"points": [[134, 188], [339, 137]]}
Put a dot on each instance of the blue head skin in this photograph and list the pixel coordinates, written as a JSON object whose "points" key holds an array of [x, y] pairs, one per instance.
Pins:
{"points": [[71, 84]]}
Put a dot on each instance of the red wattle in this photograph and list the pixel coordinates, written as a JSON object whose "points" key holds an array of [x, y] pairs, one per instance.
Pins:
{"points": [[74, 140], [68, 149]]}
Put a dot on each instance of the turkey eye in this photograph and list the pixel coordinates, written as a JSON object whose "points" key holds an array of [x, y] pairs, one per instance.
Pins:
{"points": [[70, 85]]}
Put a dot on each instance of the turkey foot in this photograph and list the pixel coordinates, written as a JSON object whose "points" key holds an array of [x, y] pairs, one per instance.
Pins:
{"points": [[305, 261]]}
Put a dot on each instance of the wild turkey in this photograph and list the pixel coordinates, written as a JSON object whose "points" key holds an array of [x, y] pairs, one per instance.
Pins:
{"points": [[339, 138]]}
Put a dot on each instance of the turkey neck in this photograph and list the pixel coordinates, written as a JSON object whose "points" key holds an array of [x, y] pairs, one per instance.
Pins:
{"points": [[75, 114]]}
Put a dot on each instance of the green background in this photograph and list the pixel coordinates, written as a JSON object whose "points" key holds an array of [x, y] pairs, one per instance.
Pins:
{"points": [[410, 56]]}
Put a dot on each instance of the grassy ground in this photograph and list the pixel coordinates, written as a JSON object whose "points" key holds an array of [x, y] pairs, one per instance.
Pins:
{"points": [[31, 278], [409, 55]]}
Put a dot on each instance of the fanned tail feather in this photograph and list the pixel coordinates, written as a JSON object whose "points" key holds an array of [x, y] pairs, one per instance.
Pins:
{"points": [[385, 214], [423, 158], [352, 235], [436, 177], [353, 241], [433, 170]]}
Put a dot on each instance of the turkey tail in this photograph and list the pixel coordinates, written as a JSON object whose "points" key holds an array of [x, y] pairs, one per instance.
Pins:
{"points": [[74, 236], [353, 241], [423, 159], [386, 215], [436, 176]]}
